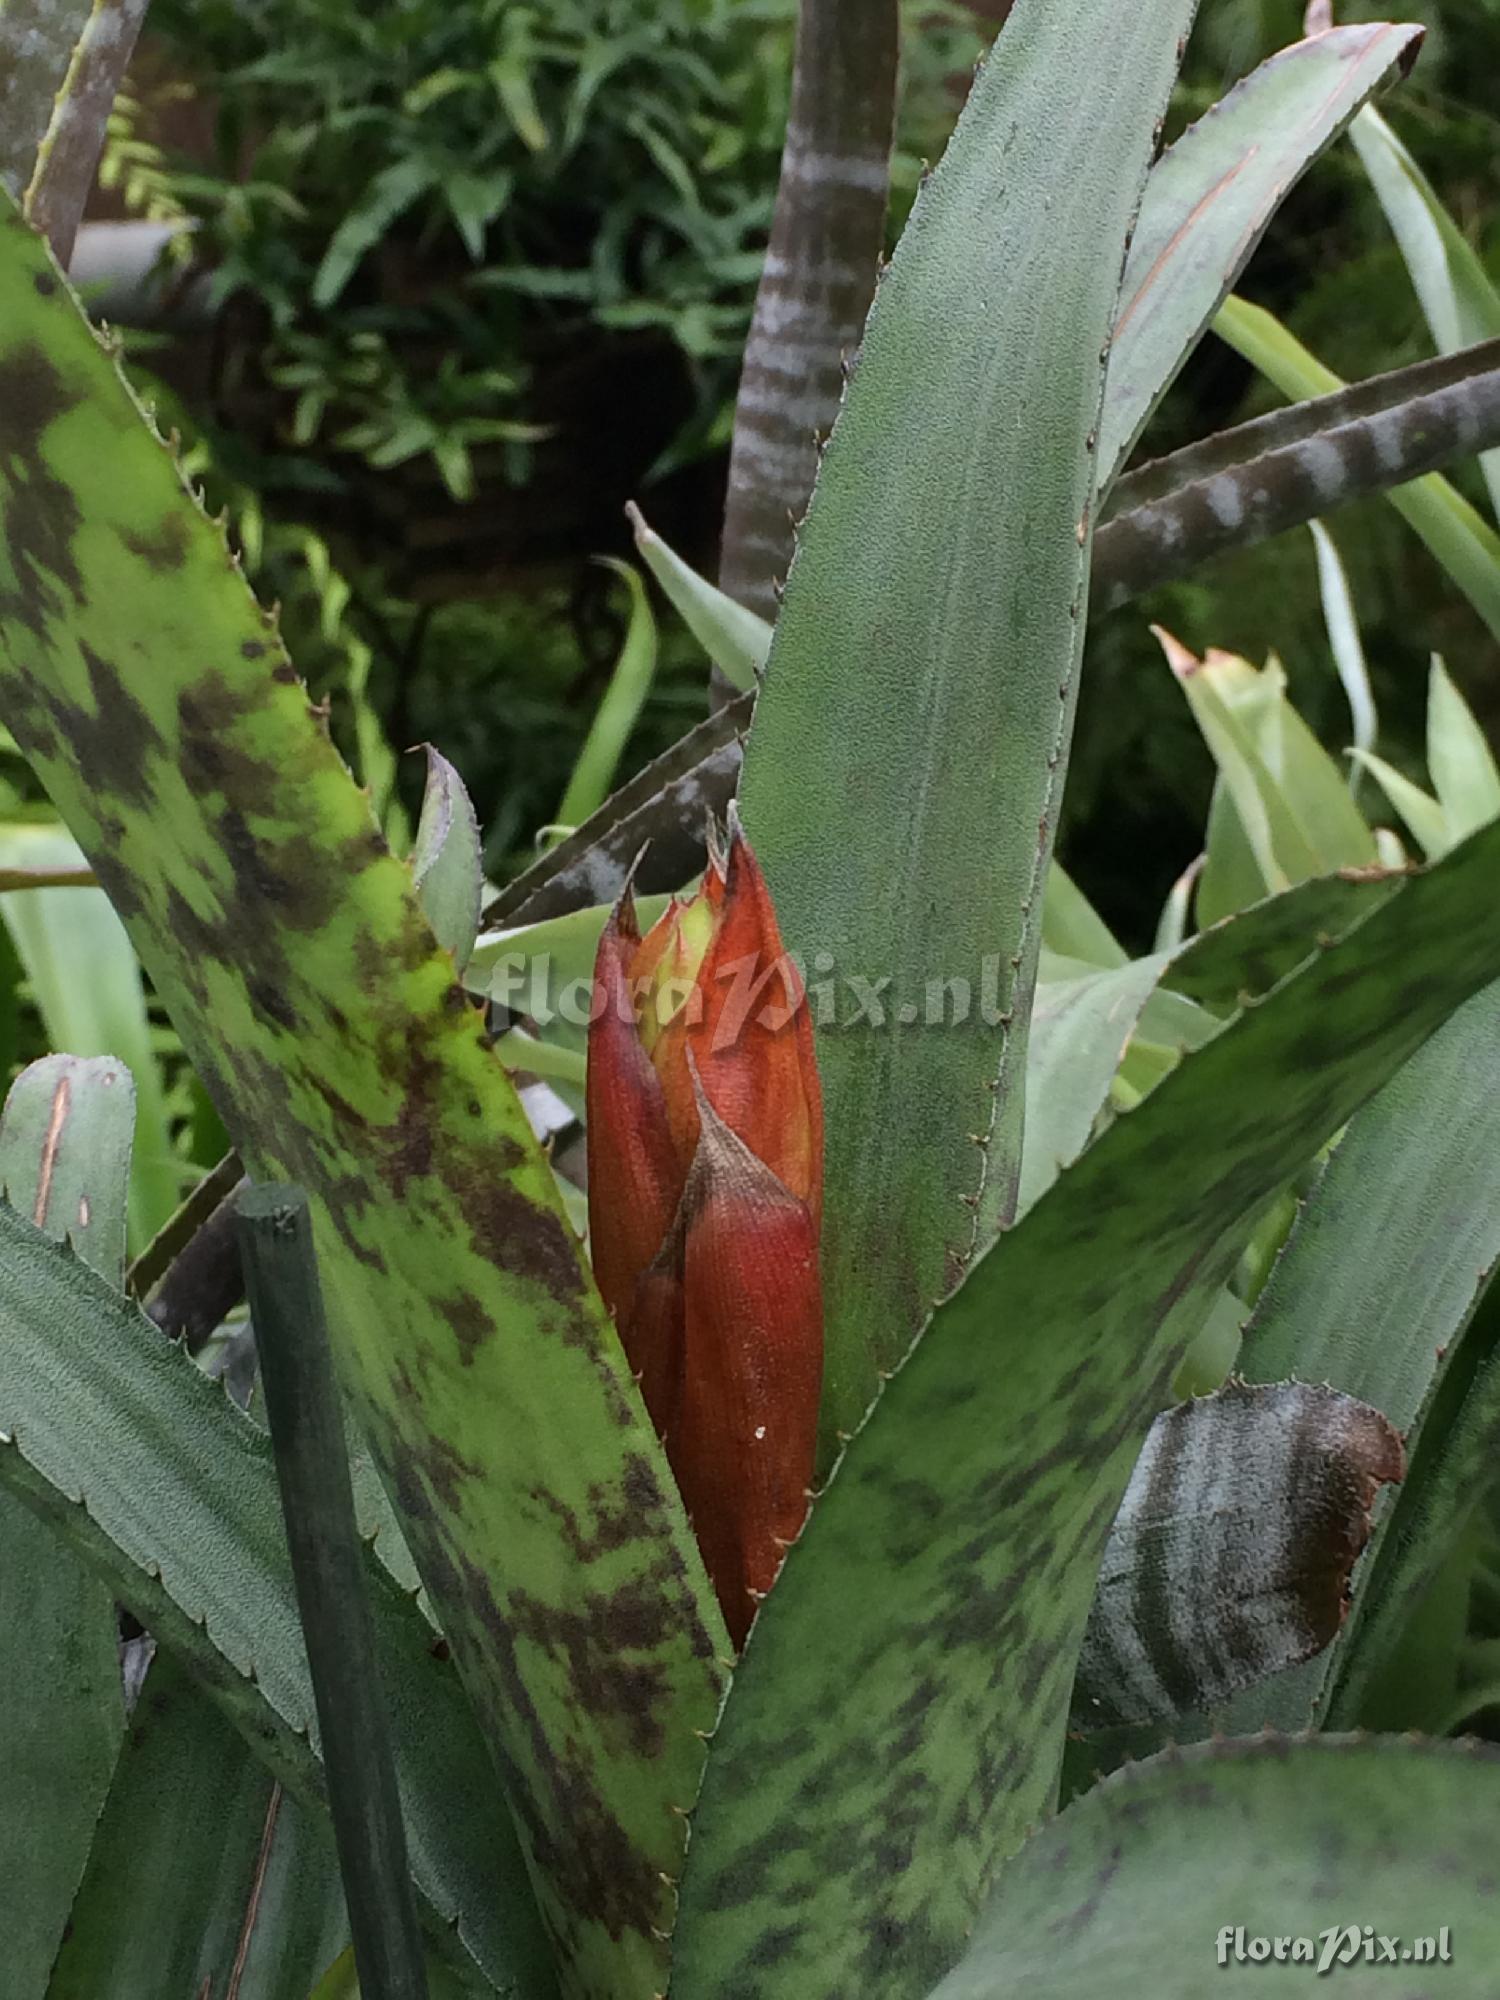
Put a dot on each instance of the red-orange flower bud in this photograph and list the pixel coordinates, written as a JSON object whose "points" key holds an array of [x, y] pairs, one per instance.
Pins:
{"points": [[705, 1201]]}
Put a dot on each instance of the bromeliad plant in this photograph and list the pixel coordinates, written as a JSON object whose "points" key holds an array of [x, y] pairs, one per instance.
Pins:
{"points": [[603, 1794]]}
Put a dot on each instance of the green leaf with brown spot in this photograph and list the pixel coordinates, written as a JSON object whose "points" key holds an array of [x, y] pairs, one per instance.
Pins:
{"points": [[318, 1009], [845, 1845]]}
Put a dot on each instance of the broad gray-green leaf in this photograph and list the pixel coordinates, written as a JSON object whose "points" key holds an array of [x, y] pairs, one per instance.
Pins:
{"points": [[64, 1161], [447, 871], [736, 640], [1230, 1556], [205, 1876], [1382, 1273], [1166, 1872], [1459, 302], [1210, 197], [946, 1573], [1449, 1489], [86, 980], [168, 1493], [922, 678]]}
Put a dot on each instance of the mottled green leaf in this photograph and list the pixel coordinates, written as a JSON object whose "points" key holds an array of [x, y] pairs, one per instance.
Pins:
{"points": [[1230, 1556], [1210, 197], [205, 1876], [86, 981], [327, 1024], [1459, 302], [736, 640], [1141, 1886], [151, 1474], [64, 1161], [946, 1573], [1465, 544], [447, 871], [921, 682]]}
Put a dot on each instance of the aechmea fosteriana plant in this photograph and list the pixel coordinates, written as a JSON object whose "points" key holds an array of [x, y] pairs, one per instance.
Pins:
{"points": [[705, 1200]]}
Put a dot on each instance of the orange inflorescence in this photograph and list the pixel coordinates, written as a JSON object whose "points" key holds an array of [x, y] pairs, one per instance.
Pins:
{"points": [[705, 1202]]}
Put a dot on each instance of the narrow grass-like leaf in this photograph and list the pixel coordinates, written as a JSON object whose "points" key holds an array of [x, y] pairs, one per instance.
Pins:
{"points": [[1465, 545], [447, 870], [1168, 1870], [317, 1504], [327, 1024], [1072, 926], [1459, 302], [1425, 819], [1210, 197], [1342, 624], [206, 1877], [150, 1473], [615, 716], [736, 640], [922, 676], [1460, 760], [947, 1571], [65, 1162], [1230, 1556], [1079, 1028]]}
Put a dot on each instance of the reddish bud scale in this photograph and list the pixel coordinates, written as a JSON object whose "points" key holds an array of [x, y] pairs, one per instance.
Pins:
{"points": [[705, 1201]]}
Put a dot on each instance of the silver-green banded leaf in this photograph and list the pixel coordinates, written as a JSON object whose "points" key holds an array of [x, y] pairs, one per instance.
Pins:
{"points": [[922, 677], [1210, 197], [446, 868], [1455, 533], [1230, 1556], [1157, 1881]]}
